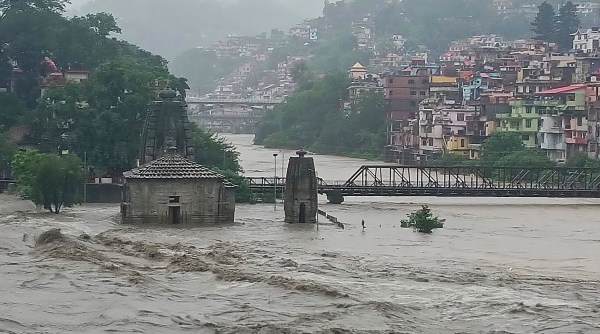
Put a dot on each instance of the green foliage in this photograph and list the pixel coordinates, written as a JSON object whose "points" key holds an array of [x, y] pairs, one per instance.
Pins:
{"points": [[25, 166], [450, 160], [314, 119], [58, 181], [12, 110], [544, 25], [337, 53], [302, 75], [525, 158], [49, 180], [422, 221], [581, 160], [214, 151], [243, 193], [499, 145], [567, 23], [7, 153]]}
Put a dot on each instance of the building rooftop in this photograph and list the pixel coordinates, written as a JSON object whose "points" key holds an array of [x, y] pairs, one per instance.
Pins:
{"points": [[173, 166], [565, 89]]}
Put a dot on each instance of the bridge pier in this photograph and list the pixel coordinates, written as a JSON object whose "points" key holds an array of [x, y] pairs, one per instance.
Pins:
{"points": [[335, 197]]}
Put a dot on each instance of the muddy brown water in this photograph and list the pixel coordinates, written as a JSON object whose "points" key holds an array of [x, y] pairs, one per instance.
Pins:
{"points": [[499, 266]]}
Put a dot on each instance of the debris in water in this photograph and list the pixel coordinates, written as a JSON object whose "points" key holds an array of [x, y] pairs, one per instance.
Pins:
{"points": [[50, 237]]}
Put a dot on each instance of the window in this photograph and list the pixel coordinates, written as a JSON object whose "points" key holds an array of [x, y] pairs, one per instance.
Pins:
{"points": [[528, 123], [422, 93], [391, 92], [514, 124], [391, 80], [411, 82], [413, 92], [462, 143], [174, 199], [429, 129], [460, 117], [525, 137], [430, 141], [579, 121], [424, 141], [528, 110]]}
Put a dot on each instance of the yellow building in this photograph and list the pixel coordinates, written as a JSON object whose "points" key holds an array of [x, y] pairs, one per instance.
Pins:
{"points": [[460, 144]]}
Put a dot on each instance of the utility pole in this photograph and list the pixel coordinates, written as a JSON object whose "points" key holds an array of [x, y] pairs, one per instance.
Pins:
{"points": [[275, 183]]}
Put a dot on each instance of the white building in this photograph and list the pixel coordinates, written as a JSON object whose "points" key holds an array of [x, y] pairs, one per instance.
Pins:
{"points": [[586, 40], [551, 137]]}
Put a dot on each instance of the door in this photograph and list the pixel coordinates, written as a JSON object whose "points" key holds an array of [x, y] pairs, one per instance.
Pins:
{"points": [[174, 216], [302, 213]]}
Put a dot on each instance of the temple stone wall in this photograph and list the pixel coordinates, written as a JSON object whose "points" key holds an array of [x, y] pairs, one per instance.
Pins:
{"points": [[205, 201], [301, 198]]}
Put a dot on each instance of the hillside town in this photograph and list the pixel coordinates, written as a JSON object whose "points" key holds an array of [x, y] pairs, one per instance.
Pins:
{"points": [[478, 86]]}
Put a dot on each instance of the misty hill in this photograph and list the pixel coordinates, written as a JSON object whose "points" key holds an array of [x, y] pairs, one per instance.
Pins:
{"points": [[169, 27]]}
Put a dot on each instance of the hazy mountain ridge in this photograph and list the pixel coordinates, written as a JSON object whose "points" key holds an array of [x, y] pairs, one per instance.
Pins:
{"points": [[171, 27]]}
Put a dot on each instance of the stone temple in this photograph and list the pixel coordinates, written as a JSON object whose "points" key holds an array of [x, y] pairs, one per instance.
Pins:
{"points": [[167, 125], [174, 190], [169, 188], [301, 198]]}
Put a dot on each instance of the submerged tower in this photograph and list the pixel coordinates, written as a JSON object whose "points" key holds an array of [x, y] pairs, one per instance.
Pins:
{"points": [[166, 126], [301, 202]]}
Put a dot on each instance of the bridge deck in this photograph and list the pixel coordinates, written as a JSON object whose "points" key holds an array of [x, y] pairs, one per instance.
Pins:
{"points": [[395, 180]]}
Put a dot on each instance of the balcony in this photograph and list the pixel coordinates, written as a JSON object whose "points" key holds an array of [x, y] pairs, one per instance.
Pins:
{"points": [[576, 141]]}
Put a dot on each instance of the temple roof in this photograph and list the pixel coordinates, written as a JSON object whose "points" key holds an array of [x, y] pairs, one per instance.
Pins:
{"points": [[358, 67], [173, 166]]}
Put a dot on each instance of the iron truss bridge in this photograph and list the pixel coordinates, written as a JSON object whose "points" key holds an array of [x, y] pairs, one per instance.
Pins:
{"points": [[394, 180], [196, 100]]}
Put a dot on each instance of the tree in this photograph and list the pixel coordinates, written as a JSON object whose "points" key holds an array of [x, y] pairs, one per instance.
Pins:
{"points": [[544, 25], [525, 158], [25, 170], [213, 151], [12, 108], [499, 145], [7, 153], [302, 75], [49, 180], [568, 23], [422, 221], [58, 181]]}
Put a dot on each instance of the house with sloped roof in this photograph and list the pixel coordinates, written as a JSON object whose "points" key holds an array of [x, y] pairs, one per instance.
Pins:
{"points": [[174, 190]]}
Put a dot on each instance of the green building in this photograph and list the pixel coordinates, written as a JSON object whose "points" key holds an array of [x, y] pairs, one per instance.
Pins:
{"points": [[523, 119]]}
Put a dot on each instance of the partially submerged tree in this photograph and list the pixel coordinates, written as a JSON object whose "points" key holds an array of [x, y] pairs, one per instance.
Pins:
{"points": [[49, 180], [423, 221]]}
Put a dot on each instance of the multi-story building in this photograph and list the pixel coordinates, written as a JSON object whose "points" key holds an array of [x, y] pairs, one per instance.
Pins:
{"points": [[586, 41], [522, 120], [571, 105]]}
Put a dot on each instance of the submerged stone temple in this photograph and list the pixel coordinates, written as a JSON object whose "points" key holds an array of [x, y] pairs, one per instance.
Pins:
{"points": [[301, 198], [174, 190], [169, 188]]}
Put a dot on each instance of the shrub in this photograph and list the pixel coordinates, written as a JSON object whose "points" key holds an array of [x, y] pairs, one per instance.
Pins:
{"points": [[423, 221]]}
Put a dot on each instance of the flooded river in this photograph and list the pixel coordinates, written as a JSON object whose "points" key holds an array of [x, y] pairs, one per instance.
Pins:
{"points": [[499, 266]]}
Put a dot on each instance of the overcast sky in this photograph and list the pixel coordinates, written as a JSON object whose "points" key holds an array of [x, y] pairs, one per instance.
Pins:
{"points": [[169, 27]]}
